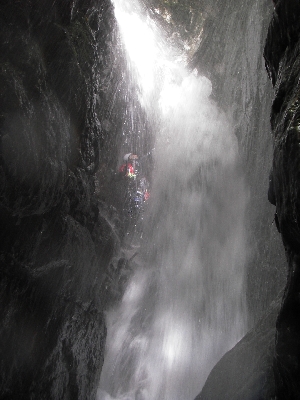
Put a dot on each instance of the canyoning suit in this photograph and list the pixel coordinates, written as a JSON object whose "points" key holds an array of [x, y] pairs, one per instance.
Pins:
{"points": [[134, 195], [127, 170]]}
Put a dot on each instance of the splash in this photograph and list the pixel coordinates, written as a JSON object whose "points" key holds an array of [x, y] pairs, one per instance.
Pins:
{"points": [[185, 305]]}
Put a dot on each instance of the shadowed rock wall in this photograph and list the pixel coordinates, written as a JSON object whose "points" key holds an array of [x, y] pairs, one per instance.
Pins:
{"points": [[231, 55], [265, 364], [56, 238], [245, 372], [282, 54]]}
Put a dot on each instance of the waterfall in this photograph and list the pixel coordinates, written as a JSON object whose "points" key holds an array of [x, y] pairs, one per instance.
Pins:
{"points": [[184, 306]]}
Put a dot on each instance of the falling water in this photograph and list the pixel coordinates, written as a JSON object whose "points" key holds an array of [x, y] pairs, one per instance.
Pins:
{"points": [[185, 304]]}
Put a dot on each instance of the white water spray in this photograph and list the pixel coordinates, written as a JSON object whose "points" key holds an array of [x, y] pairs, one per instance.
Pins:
{"points": [[185, 305]]}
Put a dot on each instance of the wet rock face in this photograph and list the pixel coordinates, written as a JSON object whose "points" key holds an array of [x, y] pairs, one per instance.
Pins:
{"points": [[245, 372], [49, 76], [276, 374], [55, 239], [283, 66], [231, 54], [282, 54]]}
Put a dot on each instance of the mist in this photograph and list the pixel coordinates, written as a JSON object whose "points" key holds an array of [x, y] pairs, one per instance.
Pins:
{"points": [[185, 305]]}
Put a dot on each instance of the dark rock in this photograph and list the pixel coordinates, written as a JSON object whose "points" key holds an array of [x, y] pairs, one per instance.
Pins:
{"points": [[231, 52], [272, 371], [56, 240], [282, 55], [245, 372], [287, 351]]}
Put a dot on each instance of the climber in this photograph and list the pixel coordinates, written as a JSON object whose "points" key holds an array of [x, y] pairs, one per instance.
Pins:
{"points": [[128, 168]]}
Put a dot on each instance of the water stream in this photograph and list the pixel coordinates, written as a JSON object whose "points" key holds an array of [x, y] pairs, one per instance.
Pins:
{"points": [[185, 304]]}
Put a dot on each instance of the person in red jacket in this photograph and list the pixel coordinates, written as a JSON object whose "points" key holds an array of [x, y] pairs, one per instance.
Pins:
{"points": [[128, 167]]}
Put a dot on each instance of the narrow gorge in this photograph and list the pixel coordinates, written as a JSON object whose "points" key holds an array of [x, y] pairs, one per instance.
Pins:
{"points": [[179, 279]]}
